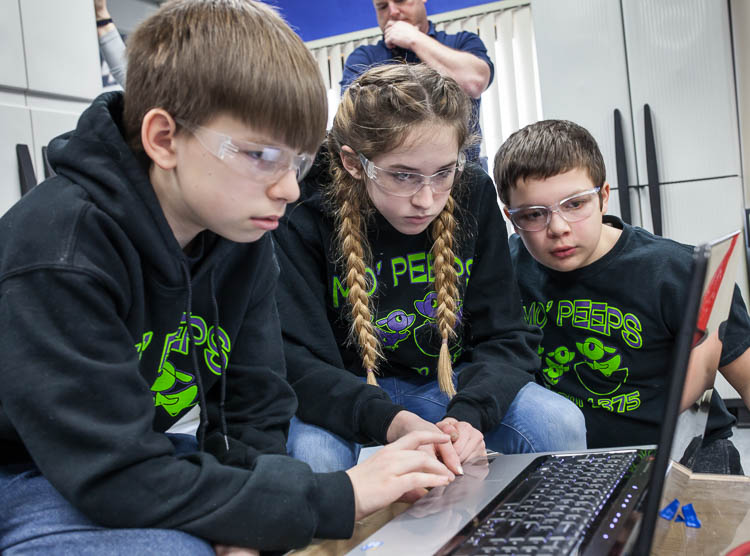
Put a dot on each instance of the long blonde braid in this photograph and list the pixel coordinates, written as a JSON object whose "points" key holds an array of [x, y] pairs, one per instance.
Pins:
{"points": [[446, 287], [352, 239]]}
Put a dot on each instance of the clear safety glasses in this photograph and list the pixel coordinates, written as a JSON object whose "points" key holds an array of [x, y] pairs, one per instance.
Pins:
{"points": [[572, 209], [405, 184], [263, 163]]}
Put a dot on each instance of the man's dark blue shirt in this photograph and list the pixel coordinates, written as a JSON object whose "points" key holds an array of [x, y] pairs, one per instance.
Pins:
{"points": [[366, 56]]}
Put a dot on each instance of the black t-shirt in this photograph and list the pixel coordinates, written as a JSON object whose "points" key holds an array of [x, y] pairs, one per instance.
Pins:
{"points": [[609, 331], [493, 343]]}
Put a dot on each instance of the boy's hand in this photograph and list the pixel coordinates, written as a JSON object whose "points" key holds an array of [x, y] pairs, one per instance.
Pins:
{"points": [[467, 441], [405, 422], [395, 470]]}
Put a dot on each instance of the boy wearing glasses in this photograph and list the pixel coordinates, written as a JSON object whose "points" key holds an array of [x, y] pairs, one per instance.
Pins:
{"points": [[607, 296], [137, 290]]}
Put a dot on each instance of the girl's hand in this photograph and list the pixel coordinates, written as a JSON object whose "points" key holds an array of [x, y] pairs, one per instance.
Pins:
{"points": [[467, 441], [405, 422]]}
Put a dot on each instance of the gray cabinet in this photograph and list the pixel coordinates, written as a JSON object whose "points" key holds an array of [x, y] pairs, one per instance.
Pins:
{"points": [[12, 58], [61, 46], [669, 58], [672, 60], [49, 72], [15, 128]]}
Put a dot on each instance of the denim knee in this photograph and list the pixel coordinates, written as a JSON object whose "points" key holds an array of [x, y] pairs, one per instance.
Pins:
{"points": [[539, 420], [115, 542], [36, 519], [321, 449], [565, 423]]}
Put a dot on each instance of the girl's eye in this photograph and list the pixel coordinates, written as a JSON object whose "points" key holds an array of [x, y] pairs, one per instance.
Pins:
{"points": [[401, 176], [444, 175]]}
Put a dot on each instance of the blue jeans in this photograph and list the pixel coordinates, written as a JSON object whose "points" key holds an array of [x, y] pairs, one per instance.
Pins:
{"points": [[538, 420], [36, 519]]}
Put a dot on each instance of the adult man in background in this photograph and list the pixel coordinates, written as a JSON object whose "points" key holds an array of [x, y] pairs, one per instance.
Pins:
{"points": [[408, 36]]}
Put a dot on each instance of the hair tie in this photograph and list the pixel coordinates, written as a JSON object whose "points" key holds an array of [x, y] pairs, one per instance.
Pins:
{"points": [[445, 340]]}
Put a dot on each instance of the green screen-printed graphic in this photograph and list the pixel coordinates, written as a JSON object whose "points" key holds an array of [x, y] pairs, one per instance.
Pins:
{"points": [[394, 328], [427, 336], [628, 401], [596, 365], [556, 364], [601, 318], [409, 270], [417, 324], [176, 390], [536, 313], [141, 346], [600, 373]]}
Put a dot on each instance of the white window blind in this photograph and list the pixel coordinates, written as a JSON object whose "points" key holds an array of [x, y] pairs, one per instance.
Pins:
{"points": [[505, 27]]}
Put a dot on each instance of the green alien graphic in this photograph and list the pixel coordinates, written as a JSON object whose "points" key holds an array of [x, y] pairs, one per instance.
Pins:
{"points": [[557, 363], [606, 377]]}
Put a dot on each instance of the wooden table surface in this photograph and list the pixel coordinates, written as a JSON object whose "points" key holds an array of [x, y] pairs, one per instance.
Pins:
{"points": [[721, 502]]}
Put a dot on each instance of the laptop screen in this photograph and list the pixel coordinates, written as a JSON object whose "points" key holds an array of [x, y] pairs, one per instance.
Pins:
{"points": [[686, 411]]}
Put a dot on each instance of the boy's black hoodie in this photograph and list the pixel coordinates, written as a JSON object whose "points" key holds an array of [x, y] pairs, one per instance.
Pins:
{"points": [[98, 362]]}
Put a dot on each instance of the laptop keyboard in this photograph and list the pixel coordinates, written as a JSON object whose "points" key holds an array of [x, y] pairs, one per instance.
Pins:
{"points": [[549, 511]]}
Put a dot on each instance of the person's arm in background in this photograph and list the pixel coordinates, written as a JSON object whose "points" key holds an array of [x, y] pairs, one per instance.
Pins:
{"points": [[110, 43], [735, 357], [737, 374], [727, 349], [471, 72], [701, 373]]}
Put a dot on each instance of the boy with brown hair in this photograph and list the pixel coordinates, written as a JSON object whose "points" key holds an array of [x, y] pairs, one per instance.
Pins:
{"points": [[148, 295], [608, 296]]}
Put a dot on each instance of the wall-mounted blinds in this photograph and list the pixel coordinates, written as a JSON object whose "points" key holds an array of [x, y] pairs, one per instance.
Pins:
{"points": [[513, 99]]}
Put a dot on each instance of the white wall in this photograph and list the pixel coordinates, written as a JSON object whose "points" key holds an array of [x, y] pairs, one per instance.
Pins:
{"points": [[740, 11]]}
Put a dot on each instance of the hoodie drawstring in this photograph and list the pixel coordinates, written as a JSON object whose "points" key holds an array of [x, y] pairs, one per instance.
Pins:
{"points": [[203, 424], [201, 393], [222, 400]]}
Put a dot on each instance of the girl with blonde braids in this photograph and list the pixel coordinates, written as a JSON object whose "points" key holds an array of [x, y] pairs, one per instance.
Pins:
{"points": [[398, 303]]}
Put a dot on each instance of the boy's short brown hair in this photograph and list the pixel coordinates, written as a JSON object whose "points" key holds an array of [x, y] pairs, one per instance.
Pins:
{"points": [[197, 59], [545, 149]]}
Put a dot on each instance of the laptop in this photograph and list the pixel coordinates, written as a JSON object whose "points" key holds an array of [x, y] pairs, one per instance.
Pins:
{"points": [[605, 501]]}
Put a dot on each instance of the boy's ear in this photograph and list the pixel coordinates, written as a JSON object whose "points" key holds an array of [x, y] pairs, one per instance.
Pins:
{"points": [[604, 193], [351, 162], [157, 136], [507, 215]]}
